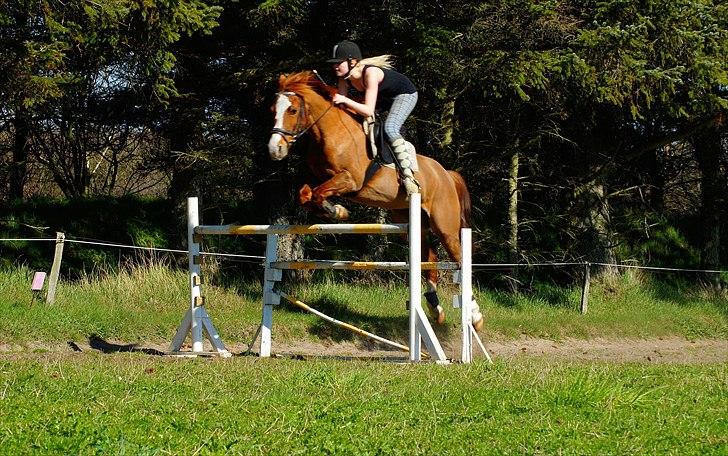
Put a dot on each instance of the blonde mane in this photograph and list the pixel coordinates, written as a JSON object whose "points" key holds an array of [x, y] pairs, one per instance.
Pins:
{"points": [[381, 61]]}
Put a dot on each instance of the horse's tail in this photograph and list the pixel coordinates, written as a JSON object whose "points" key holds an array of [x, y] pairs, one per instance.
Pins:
{"points": [[464, 197]]}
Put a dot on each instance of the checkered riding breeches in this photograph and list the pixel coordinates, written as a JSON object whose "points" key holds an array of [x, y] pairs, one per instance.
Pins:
{"points": [[402, 106]]}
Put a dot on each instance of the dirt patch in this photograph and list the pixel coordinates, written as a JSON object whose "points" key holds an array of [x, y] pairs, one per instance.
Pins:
{"points": [[663, 350]]}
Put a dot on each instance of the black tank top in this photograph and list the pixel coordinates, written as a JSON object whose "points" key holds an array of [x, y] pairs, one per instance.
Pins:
{"points": [[393, 84]]}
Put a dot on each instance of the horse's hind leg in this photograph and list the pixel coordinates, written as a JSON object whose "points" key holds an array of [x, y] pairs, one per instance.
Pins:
{"points": [[447, 227], [436, 310], [428, 254]]}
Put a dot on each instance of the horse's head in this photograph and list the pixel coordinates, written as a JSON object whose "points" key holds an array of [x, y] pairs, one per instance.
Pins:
{"points": [[292, 110]]}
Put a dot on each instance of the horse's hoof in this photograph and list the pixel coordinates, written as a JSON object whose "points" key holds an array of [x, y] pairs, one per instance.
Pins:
{"points": [[476, 317], [437, 313], [440, 316], [340, 212], [479, 323]]}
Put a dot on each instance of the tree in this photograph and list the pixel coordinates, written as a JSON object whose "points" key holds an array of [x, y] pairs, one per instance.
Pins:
{"points": [[83, 73]]}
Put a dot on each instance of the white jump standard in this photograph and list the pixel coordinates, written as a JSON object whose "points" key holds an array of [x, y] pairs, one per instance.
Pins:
{"points": [[197, 320]]}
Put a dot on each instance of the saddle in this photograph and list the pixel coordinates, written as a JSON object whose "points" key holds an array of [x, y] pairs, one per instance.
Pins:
{"points": [[378, 147]]}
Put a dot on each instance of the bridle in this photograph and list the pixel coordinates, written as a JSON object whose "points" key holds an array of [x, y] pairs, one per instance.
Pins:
{"points": [[299, 129]]}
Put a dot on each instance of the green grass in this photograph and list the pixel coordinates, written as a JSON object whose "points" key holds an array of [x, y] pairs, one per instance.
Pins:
{"points": [[629, 306], [147, 304], [56, 401], [137, 404]]}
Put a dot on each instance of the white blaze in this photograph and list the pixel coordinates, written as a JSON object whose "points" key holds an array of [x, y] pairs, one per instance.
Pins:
{"points": [[276, 151]]}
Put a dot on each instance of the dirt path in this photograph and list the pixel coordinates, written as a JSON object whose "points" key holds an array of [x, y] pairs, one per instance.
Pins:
{"points": [[663, 350]]}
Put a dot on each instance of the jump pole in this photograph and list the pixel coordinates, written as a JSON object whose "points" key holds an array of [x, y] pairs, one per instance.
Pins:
{"points": [[415, 286], [347, 326], [420, 329], [466, 295], [197, 321]]}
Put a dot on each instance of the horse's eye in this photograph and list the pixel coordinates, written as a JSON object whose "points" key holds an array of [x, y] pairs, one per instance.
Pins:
{"points": [[293, 110]]}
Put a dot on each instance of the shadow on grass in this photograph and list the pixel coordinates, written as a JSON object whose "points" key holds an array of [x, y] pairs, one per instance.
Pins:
{"points": [[97, 343], [551, 296], [393, 328], [685, 293]]}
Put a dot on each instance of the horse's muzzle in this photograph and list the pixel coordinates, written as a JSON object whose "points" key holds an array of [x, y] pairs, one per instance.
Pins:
{"points": [[277, 148]]}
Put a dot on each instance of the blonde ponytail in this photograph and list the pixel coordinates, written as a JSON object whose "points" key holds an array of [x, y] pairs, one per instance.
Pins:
{"points": [[381, 61]]}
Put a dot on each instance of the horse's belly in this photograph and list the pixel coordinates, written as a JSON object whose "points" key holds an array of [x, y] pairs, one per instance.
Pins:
{"points": [[386, 197]]}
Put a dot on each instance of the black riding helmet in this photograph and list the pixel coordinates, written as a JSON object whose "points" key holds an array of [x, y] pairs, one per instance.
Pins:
{"points": [[345, 50]]}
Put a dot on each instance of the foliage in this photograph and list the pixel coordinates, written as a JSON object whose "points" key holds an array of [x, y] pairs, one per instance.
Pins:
{"points": [[611, 107], [78, 73], [127, 221]]}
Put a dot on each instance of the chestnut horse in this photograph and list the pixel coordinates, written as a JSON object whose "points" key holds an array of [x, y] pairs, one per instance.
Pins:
{"points": [[339, 160]]}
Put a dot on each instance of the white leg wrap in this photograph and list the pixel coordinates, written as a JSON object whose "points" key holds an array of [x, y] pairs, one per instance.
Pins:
{"points": [[404, 155]]}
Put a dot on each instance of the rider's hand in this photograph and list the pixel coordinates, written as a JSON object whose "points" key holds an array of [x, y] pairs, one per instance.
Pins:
{"points": [[340, 99]]}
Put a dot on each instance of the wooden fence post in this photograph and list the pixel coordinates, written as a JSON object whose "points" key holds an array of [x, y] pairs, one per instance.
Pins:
{"points": [[585, 289], [56, 268]]}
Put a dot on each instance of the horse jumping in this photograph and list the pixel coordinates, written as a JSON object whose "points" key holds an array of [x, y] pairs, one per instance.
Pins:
{"points": [[339, 161]]}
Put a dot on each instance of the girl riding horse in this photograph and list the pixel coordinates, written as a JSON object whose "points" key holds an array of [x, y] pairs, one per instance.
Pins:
{"points": [[337, 157], [384, 90]]}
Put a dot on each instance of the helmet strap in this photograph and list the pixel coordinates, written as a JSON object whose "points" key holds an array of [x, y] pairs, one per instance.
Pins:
{"points": [[350, 66]]}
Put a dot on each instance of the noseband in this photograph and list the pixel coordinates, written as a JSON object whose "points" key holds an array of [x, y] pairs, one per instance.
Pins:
{"points": [[299, 129]]}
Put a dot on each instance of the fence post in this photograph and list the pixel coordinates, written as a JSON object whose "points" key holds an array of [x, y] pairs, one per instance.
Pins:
{"points": [[585, 289], [56, 268]]}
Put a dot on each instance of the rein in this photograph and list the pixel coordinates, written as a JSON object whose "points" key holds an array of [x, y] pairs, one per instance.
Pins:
{"points": [[299, 129]]}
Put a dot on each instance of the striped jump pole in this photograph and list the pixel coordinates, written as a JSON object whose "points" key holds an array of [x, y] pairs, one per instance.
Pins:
{"points": [[322, 228], [197, 321], [347, 326]]}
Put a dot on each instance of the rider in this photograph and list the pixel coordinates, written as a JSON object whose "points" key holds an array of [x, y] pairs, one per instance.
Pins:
{"points": [[384, 90]]}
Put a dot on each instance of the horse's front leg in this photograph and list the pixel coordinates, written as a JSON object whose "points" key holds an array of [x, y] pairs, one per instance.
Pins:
{"points": [[340, 184]]}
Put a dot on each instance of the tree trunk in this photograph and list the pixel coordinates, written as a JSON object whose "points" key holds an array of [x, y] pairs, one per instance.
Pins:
{"points": [[275, 198], [447, 119], [512, 242], [597, 235], [712, 195], [19, 165]]}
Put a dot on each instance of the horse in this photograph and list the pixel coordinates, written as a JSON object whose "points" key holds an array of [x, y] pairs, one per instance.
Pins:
{"points": [[338, 158]]}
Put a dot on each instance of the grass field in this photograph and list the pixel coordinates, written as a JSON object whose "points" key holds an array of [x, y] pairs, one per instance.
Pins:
{"points": [[54, 400], [146, 304], [139, 404]]}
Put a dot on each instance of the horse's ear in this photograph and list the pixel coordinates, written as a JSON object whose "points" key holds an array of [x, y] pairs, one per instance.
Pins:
{"points": [[282, 78]]}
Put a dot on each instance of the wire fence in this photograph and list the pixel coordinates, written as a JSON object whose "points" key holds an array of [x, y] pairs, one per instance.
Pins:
{"points": [[259, 258], [134, 247]]}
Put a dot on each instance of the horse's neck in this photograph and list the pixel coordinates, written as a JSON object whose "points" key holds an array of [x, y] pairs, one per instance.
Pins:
{"points": [[338, 131]]}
